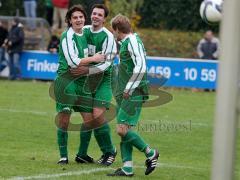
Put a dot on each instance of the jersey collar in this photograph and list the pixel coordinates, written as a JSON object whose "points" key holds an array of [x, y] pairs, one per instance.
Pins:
{"points": [[91, 29], [124, 39], [78, 34]]}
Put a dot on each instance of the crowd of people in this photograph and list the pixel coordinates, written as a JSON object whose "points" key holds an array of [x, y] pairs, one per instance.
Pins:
{"points": [[11, 46]]}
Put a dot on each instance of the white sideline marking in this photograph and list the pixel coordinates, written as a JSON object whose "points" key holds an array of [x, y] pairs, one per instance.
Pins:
{"points": [[75, 115], [75, 173], [33, 112], [24, 111], [71, 173]]}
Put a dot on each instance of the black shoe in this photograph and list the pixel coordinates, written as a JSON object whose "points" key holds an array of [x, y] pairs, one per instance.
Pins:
{"points": [[108, 158], [120, 172], [84, 159], [151, 163], [63, 161]]}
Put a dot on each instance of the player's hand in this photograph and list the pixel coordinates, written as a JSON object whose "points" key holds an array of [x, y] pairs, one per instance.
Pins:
{"points": [[126, 95], [99, 57], [80, 70]]}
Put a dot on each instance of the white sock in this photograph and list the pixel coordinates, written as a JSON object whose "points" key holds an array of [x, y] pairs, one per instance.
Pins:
{"points": [[128, 164]]}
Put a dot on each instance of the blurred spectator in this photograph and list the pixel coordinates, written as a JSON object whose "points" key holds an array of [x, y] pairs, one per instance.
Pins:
{"points": [[49, 11], [53, 44], [14, 44], [3, 36], [208, 47], [30, 7], [60, 10]]}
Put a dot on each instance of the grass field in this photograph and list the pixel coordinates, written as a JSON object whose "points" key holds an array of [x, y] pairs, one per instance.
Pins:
{"points": [[182, 131]]}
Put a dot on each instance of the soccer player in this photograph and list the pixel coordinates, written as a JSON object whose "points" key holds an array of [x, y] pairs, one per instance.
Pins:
{"points": [[73, 53], [100, 40], [131, 92]]}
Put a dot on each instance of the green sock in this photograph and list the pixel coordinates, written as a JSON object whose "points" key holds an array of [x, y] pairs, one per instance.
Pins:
{"points": [[62, 137], [127, 170], [133, 138], [149, 152], [103, 137], [126, 151], [85, 137]]}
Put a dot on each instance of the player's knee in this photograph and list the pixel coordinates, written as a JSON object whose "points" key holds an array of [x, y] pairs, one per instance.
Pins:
{"points": [[122, 130], [96, 116], [98, 113], [62, 120]]}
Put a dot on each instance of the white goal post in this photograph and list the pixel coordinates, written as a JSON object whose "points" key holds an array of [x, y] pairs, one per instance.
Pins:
{"points": [[226, 114]]}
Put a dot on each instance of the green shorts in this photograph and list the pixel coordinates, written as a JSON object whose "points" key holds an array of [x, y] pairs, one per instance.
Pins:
{"points": [[72, 95], [128, 110], [102, 93]]}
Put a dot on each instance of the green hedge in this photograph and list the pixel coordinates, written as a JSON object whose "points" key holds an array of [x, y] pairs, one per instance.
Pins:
{"points": [[171, 43], [173, 14]]}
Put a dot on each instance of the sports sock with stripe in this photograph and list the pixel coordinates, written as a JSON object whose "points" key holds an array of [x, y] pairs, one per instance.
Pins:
{"points": [[133, 138], [128, 167], [149, 152]]}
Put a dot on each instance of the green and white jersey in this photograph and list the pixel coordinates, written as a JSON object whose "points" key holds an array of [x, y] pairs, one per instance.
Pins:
{"points": [[132, 67], [100, 41], [73, 47]]}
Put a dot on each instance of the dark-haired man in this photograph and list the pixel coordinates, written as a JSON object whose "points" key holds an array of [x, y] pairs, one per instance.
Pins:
{"points": [[100, 40], [73, 52]]}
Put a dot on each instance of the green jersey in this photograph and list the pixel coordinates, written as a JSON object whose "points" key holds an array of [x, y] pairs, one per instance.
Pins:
{"points": [[100, 41], [67, 89], [132, 69], [72, 48]]}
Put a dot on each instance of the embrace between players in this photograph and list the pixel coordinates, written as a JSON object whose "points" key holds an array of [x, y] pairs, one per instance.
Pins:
{"points": [[85, 84]]}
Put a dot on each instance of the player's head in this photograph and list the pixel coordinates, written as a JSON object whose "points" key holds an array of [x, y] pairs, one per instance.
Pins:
{"points": [[120, 25], [76, 17], [99, 14], [208, 35]]}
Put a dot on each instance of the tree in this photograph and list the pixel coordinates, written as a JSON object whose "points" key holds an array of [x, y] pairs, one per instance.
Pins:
{"points": [[128, 8]]}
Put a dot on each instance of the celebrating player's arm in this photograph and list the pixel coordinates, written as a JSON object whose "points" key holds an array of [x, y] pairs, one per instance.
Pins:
{"points": [[79, 64], [109, 51]]}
